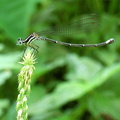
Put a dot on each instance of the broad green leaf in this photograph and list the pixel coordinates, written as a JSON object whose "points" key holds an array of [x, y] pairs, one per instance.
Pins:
{"points": [[82, 68], [8, 61], [69, 91], [15, 16]]}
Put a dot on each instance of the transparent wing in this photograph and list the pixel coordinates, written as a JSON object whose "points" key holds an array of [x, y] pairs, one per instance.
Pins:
{"points": [[84, 23]]}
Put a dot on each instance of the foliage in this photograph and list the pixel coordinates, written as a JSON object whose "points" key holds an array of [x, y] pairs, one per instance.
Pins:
{"points": [[69, 83]]}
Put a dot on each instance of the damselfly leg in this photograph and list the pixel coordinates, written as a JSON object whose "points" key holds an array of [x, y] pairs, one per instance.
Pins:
{"points": [[31, 47], [24, 50], [34, 47]]}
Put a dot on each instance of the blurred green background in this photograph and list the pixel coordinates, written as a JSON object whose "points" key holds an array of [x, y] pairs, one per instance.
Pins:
{"points": [[69, 83]]}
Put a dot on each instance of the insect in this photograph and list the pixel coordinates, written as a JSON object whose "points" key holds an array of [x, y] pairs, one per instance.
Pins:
{"points": [[83, 24]]}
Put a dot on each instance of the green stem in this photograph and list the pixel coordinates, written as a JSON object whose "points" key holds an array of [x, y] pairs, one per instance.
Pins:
{"points": [[24, 79]]}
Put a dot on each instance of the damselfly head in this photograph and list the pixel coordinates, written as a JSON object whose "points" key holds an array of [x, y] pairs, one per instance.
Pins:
{"points": [[20, 42]]}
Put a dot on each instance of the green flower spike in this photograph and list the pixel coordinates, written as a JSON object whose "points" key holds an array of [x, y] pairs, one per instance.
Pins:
{"points": [[24, 79]]}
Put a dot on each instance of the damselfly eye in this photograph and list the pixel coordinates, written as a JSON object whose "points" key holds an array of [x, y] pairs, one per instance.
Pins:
{"points": [[19, 41]]}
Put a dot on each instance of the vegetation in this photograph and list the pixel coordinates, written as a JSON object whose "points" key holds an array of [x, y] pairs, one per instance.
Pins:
{"points": [[69, 83]]}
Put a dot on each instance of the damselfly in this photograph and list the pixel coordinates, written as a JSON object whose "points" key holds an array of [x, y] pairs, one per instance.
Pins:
{"points": [[83, 24]]}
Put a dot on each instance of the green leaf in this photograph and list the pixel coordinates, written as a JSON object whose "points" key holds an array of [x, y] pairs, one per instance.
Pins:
{"points": [[82, 68], [69, 91], [45, 68], [4, 75], [4, 103], [102, 104], [15, 16], [8, 61]]}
